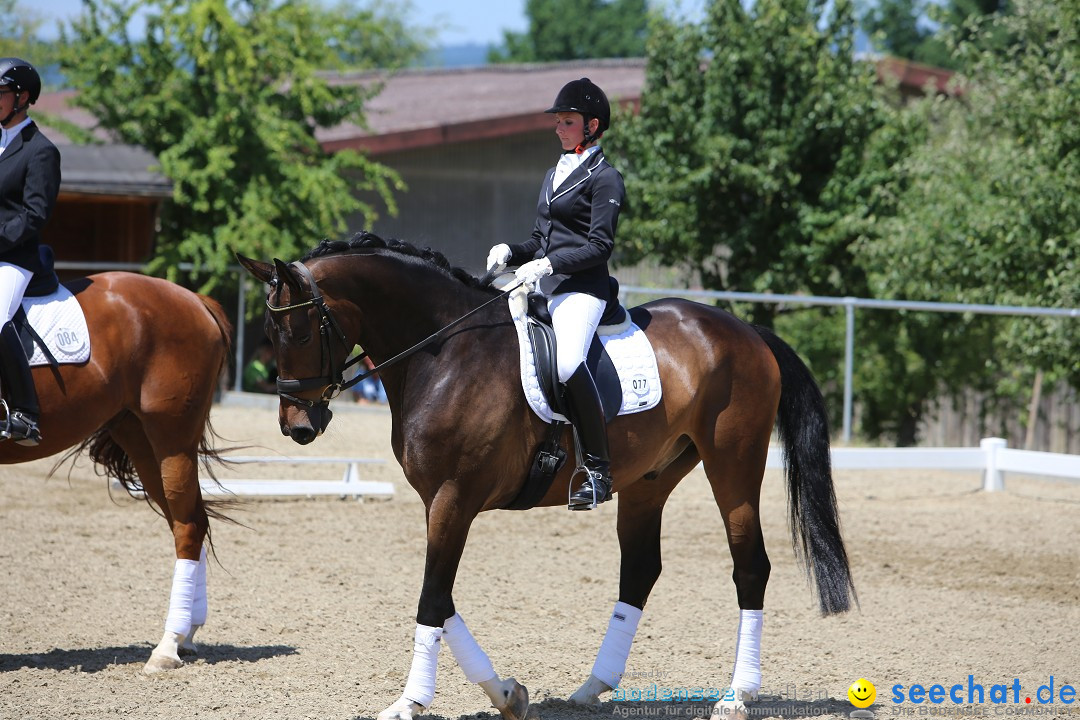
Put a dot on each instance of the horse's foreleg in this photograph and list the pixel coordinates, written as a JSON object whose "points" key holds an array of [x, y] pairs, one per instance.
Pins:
{"points": [[449, 518], [507, 696], [640, 509]]}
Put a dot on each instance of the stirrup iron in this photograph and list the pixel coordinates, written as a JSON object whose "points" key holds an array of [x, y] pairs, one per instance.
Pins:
{"points": [[26, 430], [593, 478]]}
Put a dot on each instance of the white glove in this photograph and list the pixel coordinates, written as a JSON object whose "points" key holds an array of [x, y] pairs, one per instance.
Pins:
{"points": [[531, 272], [498, 257]]}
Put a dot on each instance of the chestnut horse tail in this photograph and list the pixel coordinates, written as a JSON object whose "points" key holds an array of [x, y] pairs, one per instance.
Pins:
{"points": [[802, 427], [208, 454]]}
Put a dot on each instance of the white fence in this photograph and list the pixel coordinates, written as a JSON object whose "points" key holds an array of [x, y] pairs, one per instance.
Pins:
{"points": [[993, 457], [350, 484]]}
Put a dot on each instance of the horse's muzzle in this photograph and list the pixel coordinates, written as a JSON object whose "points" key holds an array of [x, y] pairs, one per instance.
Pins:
{"points": [[304, 424]]}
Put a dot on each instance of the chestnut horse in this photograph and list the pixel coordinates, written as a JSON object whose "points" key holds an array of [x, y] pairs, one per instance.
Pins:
{"points": [[465, 436], [140, 407]]}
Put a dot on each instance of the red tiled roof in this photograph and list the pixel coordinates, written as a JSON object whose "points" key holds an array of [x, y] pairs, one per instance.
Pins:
{"points": [[430, 107], [914, 76], [425, 107]]}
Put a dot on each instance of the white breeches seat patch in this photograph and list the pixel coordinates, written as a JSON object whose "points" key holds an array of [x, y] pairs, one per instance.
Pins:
{"points": [[630, 351], [59, 320]]}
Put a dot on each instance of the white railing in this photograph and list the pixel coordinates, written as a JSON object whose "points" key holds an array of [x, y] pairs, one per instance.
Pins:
{"points": [[993, 457], [849, 304], [350, 484]]}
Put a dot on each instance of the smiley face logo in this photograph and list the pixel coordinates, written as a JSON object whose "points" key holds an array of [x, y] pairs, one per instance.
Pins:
{"points": [[862, 693]]}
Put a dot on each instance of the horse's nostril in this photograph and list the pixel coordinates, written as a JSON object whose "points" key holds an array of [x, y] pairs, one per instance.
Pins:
{"points": [[302, 435]]}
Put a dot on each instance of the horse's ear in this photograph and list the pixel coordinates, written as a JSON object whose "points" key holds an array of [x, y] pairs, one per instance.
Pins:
{"points": [[286, 275], [259, 270]]}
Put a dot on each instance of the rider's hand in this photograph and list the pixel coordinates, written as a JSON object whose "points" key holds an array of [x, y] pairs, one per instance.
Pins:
{"points": [[531, 272], [498, 257]]}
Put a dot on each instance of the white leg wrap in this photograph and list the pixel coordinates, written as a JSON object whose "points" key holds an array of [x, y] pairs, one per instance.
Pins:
{"points": [[180, 601], [474, 662], [747, 673], [611, 659], [420, 687], [198, 606]]}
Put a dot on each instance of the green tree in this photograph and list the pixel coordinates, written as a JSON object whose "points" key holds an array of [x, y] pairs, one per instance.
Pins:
{"points": [[925, 31], [228, 95], [901, 28], [738, 166], [987, 208], [577, 29], [20, 34]]}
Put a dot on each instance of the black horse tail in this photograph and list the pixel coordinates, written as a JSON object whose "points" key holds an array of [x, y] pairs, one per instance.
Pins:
{"points": [[802, 426]]}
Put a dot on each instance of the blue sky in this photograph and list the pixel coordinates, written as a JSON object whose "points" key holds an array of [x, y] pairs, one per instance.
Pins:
{"points": [[458, 21]]}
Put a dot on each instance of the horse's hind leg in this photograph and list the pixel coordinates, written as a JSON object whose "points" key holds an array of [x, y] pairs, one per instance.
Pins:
{"points": [[640, 508], [186, 515], [735, 473]]}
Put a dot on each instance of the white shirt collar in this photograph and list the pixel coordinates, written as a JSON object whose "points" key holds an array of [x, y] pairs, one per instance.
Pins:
{"points": [[568, 163], [6, 134]]}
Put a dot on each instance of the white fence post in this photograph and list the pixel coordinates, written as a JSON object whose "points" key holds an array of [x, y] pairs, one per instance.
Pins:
{"points": [[993, 479]]}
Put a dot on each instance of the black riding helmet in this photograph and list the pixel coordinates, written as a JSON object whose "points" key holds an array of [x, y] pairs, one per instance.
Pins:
{"points": [[585, 97], [20, 76]]}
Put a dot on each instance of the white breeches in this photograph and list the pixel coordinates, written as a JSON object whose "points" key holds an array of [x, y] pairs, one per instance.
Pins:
{"points": [[13, 282], [574, 316]]}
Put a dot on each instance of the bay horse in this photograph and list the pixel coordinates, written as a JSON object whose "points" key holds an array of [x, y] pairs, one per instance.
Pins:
{"points": [[140, 408], [465, 436]]}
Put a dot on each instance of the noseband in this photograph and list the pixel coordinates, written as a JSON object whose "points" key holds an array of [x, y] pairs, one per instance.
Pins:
{"points": [[333, 382]]}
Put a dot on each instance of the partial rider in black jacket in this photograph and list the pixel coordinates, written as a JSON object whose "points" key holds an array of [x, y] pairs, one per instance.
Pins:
{"points": [[566, 259], [29, 184]]}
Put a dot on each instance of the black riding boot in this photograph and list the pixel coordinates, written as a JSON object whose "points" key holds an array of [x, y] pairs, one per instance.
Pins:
{"points": [[19, 394], [588, 417]]}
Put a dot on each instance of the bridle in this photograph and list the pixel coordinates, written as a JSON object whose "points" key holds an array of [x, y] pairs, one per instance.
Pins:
{"points": [[333, 383]]}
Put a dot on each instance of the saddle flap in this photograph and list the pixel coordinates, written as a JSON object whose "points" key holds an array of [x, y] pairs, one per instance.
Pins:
{"points": [[542, 337]]}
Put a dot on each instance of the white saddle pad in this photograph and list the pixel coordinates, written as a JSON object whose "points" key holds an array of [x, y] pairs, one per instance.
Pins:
{"points": [[630, 351], [59, 320]]}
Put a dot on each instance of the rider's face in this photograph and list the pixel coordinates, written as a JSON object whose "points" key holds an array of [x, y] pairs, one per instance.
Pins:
{"points": [[570, 127], [8, 99]]}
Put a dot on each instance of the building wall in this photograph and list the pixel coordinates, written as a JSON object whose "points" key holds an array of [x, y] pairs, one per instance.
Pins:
{"points": [[465, 197], [85, 228]]}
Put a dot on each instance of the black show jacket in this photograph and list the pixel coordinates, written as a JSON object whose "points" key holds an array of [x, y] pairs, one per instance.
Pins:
{"points": [[575, 229]]}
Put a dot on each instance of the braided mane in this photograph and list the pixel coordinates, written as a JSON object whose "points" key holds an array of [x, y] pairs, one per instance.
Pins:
{"points": [[365, 240]]}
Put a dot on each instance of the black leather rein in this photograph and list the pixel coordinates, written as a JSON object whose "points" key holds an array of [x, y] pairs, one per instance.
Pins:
{"points": [[334, 383]]}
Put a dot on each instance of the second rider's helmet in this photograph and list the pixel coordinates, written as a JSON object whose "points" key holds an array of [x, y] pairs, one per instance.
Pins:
{"points": [[585, 97]]}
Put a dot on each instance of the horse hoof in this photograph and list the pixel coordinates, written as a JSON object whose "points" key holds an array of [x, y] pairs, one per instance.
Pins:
{"points": [[159, 663], [517, 703], [187, 651], [403, 709], [733, 705], [589, 692]]}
